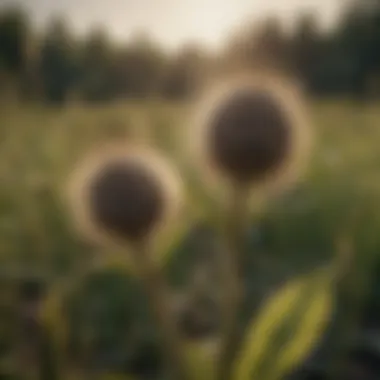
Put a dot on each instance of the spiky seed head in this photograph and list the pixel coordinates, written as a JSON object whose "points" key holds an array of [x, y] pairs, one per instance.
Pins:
{"points": [[249, 135], [250, 130], [124, 193]]}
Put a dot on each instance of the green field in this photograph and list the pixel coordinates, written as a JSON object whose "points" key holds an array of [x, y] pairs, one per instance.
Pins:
{"points": [[337, 198], [40, 146]]}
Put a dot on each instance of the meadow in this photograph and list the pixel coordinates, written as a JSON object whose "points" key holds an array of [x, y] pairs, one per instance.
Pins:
{"points": [[40, 147], [336, 202]]}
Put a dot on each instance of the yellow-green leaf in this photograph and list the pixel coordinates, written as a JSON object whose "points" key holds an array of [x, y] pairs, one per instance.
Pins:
{"points": [[200, 360], [116, 377], [168, 241], [53, 317], [287, 328]]}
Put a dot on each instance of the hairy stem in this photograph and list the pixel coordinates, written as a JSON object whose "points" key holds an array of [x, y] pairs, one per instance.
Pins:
{"points": [[352, 301], [232, 274], [159, 298]]}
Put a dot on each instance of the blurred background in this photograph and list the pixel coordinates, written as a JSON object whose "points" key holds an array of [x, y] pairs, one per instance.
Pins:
{"points": [[74, 74]]}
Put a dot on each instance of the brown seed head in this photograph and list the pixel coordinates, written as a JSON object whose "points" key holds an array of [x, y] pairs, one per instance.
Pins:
{"points": [[249, 135], [125, 194], [126, 199], [249, 130]]}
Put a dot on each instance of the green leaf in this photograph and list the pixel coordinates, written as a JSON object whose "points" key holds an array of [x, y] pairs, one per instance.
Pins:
{"points": [[122, 258], [200, 360], [168, 242], [288, 327], [53, 316], [54, 320], [116, 377]]}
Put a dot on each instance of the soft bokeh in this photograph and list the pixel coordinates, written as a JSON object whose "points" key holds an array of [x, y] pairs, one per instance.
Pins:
{"points": [[76, 75]]}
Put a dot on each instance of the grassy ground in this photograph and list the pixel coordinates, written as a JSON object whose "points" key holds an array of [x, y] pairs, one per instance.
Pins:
{"points": [[337, 198], [39, 147]]}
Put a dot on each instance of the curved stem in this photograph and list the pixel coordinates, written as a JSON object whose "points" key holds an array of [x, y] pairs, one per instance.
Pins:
{"points": [[160, 302], [232, 273], [351, 305]]}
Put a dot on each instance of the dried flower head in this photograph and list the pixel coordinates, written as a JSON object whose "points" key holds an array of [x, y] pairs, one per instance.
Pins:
{"points": [[250, 129], [124, 193]]}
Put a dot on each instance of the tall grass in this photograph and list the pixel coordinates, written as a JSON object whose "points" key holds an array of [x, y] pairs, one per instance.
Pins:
{"points": [[38, 148], [339, 195]]}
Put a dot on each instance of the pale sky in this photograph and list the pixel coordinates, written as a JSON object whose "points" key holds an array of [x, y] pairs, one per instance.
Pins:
{"points": [[173, 22]]}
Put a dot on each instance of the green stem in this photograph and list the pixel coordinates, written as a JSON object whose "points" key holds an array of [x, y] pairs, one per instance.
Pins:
{"points": [[232, 273], [353, 298], [159, 298], [349, 318]]}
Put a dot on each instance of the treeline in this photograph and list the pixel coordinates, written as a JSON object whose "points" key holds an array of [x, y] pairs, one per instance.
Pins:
{"points": [[56, 66]]}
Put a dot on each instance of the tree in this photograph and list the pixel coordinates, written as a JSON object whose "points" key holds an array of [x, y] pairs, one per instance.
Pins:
{"points": [[358, 40], [14, 31], [140, 67], [183, 73], [95, 67], [58, 62], [307, 49], [271, 44], [264, 45]]}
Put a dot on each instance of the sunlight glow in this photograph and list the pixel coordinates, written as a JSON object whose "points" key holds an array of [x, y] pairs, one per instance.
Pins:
{"points": [[172, 22]]}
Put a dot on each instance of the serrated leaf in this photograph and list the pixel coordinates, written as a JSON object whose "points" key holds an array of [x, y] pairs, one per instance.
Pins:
{"points": [[287, 328]]}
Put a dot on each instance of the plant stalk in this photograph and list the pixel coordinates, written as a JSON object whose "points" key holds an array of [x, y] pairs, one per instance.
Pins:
{"points": [[160, 302], [353, 300], [236, 224]]}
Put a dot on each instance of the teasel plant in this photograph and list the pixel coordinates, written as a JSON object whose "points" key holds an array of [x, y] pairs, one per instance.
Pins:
{"points": [[125, 196], [250, 137]]}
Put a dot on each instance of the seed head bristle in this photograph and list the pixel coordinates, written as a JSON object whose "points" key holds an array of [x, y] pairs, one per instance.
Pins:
{"points": [[251, 130], [124, 193]]}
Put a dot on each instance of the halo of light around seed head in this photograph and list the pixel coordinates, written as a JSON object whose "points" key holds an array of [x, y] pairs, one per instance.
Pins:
{"points": [[98, 226], [289, 99]]}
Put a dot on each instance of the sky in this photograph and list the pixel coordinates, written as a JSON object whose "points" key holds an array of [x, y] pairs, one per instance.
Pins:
{"points": [[174, 22]]}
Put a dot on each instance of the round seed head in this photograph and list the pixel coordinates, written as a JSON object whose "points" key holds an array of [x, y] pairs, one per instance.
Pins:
{"points": [[126, 199], [125, 194], [250, 131], [249, 135]]}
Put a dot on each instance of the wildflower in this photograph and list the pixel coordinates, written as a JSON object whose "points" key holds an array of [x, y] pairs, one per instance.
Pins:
{"points": [[124, 193], [251, 129]]}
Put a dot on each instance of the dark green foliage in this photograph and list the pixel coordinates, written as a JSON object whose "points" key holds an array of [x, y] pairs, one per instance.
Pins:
{"points": [[145, 360], [57, 63], [59, 67], [13, 41]]}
